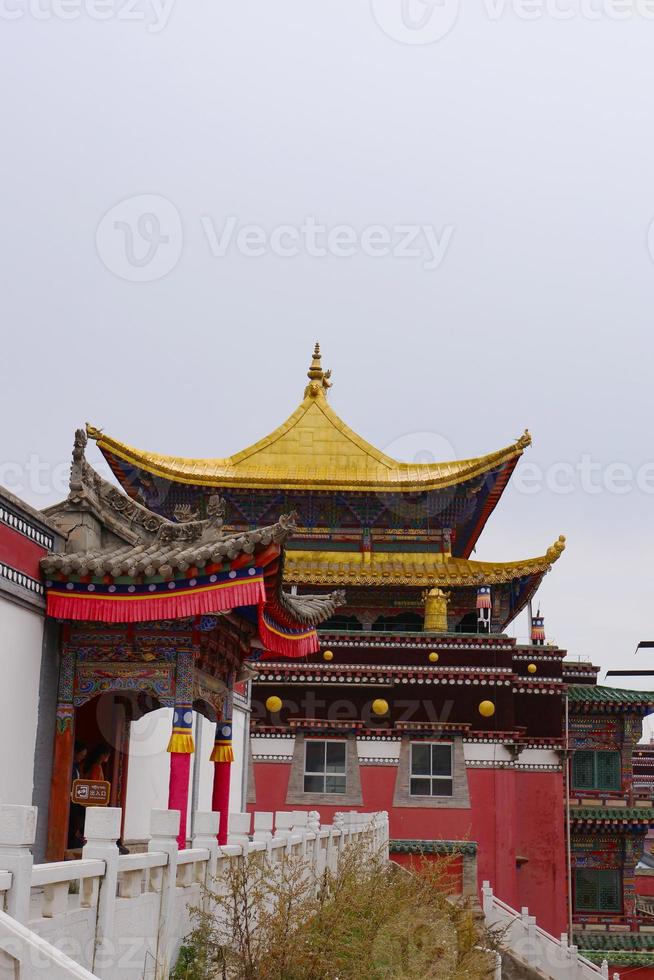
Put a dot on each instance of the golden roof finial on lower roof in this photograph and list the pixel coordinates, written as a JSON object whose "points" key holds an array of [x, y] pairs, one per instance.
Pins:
{"points": [[318, 379]]}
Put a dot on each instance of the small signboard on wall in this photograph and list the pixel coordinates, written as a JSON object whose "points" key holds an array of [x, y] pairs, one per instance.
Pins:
{"points": [[90, 792]]}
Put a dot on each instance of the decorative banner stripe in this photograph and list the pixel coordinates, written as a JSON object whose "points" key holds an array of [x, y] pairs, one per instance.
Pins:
{"points": [[286, 642], [99, 607]]}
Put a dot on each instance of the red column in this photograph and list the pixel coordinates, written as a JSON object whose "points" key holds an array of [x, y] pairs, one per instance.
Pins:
{"points": [[62, 767], [220, 799], [180, 770], [222, 758]]}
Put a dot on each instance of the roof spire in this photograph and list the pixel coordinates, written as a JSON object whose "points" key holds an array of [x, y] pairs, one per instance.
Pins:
{"points": [[318, 379]]}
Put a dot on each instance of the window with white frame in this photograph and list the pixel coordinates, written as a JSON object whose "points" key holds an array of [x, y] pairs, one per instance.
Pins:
{"points": [[431, 769], [324, 766]]}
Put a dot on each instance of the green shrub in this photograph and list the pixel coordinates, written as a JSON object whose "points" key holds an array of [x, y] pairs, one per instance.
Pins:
{"points": [[372, 920]]}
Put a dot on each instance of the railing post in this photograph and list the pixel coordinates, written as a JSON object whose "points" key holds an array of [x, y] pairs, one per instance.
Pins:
{"points": [[205, 834], [164, 828], [263, 826], [17, 830], [239, 830], [487, 897], [605, 970], [102, 830]]}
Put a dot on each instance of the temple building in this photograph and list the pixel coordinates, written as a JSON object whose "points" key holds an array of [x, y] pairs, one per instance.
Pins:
{"points": [[156, 615], [351, 655]]}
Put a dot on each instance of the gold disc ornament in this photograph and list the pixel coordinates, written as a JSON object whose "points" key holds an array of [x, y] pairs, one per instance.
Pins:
{"points": [[328, 655], [532, 668], [274, 704], [433, 657], [380, 707], [487, 709]]}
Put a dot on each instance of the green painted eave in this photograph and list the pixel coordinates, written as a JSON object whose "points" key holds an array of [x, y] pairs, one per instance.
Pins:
{"points": [[640, 814], [588, 941], [617, 957], [596, 694], [443, 847]]}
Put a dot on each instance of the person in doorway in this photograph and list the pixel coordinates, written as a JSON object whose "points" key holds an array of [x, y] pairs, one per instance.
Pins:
{"points": [[95, 769], [76, 816], [96, 761]]}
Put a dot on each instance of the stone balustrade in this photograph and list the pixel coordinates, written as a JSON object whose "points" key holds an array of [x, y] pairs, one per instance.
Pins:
{"points": [[125, 916], [550, 957]]}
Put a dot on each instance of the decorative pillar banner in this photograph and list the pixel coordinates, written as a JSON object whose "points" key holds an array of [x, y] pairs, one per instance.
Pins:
{"points": [[538, 629], [484, 609], [222, 758], [181, 744], [222, 746], [181, 739]]}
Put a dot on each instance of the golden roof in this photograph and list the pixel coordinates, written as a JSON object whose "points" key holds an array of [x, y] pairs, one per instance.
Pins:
{"points": [[313, 449], [402, 568]]}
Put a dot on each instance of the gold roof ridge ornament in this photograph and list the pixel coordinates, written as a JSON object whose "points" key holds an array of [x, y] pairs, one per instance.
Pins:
{"points": [[319, 382]]}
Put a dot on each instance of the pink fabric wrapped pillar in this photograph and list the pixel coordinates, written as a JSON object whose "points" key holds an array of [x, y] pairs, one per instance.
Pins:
{"points": [[180, 770]]}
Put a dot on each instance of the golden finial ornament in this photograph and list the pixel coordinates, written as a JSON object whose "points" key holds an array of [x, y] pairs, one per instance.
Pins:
{"points": [[93, 432], [318, 379]]}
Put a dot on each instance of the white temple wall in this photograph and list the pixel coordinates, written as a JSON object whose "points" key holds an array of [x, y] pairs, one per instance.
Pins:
{"points": [[21, 645], [149, 768], [236, 800], [148, 771]]}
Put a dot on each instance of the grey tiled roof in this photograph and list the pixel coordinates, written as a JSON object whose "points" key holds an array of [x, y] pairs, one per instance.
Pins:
{"points": [[146, 545]]}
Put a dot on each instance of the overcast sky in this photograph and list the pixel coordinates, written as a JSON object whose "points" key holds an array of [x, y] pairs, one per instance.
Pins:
{"points": [[456, 203]]}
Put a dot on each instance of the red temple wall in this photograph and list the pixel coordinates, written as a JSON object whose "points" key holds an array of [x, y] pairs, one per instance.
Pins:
{"points": [[512, 814], [632, 972], [20, 552], [542, 881], [644, 884], [452, 869]]}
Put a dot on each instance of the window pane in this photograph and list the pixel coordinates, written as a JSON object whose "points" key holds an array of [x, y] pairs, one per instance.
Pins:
{"points": [[441, 787], [314, 784], [583, 775], [315, 756], [586, 891], [608, 770], [598, 891], [610, 889], [334, 784], [421, 787], [335, 757], [420, 759], [441, 760]]}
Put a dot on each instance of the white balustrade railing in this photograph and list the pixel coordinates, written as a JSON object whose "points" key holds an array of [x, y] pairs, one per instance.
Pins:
{"points": [[554, 958], [125, 916]]}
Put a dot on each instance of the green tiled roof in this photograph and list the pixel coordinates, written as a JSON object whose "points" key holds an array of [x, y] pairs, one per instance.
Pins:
{"points": [[614, 940], [619, 957], [644, 814], [595, 693], [432, 847]]}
